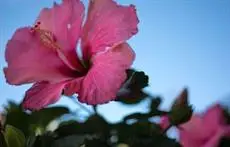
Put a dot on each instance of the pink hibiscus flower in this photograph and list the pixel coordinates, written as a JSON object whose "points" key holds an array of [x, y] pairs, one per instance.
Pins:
{"points": [[203, 130], [45, 54]]}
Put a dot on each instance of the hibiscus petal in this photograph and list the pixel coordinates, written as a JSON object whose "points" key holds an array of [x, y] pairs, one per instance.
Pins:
{"points": [[73, 86], [107, 24], [215, 138], [194, 127], [187, 140], [106, 75], [226, 130], [214, 118], [205, 130], [41, 95], [29, 61], [64, 21]]}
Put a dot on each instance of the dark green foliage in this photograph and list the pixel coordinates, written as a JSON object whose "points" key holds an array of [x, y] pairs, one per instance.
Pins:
{"points": [[181, 111], [137, 79], [28, 129], [14, 137], [45, 140], [69, 128], [96, 124], [2, 140], [17, 117], [93, 125], [132, 97], [94, 131], [95, 143], [47, 115], [132, 91], [180, 115], [69, 141], [28, 122], [224, 142], [155, 103]]}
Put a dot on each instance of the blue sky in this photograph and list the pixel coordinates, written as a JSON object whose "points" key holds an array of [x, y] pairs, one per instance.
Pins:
{"points": [[180, 43]]}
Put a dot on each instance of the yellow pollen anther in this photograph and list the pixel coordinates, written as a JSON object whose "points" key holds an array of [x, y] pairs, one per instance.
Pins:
{"points": [[46, 37]]}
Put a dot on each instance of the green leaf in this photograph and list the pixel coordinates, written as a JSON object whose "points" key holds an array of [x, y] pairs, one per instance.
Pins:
{"points": [[180, 115], [70, 128], [181, 111], [144, 134], [69, 141], [95, 143], [96, 124], [164, 141], [144, 128], [30, 141], [129, 72], [45, 140], [136, 79], [28, 123], [14, 137], [2, 140], [122, 145], [181, 99], [16, 117], [44, 116], [132, 90], [139, 80], [131, 97], [12, 106], [156, 140], [40, 119]]}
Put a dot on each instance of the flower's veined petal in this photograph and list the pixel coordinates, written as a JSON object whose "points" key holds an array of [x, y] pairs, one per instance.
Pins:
{"points": [[42, 94], [29, 61], [64, 21], [106, 75], [107, 24], [73, 86]]}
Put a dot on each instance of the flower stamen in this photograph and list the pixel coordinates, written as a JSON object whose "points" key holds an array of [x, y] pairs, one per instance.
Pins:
{"points": [[46, 37]]}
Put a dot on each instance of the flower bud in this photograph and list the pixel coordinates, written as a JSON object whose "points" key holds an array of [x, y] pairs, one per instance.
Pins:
{"points": [[181, 111]]}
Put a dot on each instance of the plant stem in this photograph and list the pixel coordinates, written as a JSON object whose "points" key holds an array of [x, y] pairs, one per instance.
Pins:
{"points": [[166, 129]]}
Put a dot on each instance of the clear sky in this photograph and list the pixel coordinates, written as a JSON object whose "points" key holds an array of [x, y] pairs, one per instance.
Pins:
{"points": [[180, 43]]}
